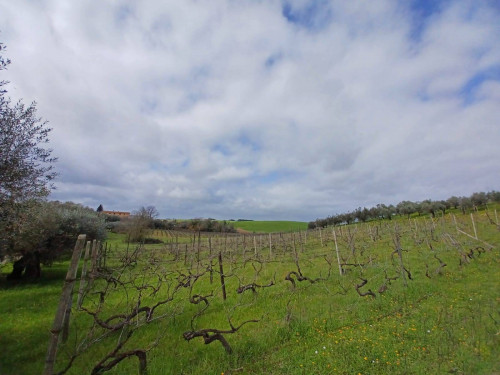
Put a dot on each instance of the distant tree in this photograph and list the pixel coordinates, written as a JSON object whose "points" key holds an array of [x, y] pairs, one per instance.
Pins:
{"points": [[406, 208], [479, 199], [427, 207], [149, 212], [362, 214], [385, 212], [465, 204], [453, 201], [494, 196], [439, 206], [142, 220], [100, 208]]}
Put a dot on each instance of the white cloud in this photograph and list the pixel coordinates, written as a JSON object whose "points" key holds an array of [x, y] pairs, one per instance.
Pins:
{"points": [[228, 109]]}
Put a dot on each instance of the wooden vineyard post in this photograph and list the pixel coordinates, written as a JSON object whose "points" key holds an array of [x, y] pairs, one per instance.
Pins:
{"points": [[198, 250], [185, 254], [84, 275], [320, 237], [192, 252], [255, 245], [337, 250], [398, 249], [210, 257], [473, 225], [221, 270], [104, 255], [301, 242], [270, 247], [93, 263], [64, 304], [283, 247]]}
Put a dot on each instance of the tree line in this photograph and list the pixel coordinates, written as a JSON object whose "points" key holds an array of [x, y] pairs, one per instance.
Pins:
{"points": [[409, 208], [141, 222]]}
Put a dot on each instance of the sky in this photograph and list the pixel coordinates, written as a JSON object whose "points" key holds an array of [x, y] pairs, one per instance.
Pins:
{"points": [[261, 109]]}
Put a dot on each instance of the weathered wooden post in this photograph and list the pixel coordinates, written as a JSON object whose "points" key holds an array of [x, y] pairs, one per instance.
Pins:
{"points": [[337, 250], [198, 249], [83, 278], [210, 257], [222, 282], [473, 226], [64, 304], [270, 247], [93, 263]]}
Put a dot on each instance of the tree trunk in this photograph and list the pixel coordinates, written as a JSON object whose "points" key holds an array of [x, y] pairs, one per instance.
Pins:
{"points": [[33, 270], [28, 267]]}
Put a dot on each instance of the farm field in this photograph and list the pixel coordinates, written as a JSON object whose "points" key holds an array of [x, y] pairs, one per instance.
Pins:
{"points": [[417, 296], [270, 226]]}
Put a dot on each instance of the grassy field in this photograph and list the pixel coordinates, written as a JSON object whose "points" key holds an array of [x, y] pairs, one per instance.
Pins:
{"points": [[424, 318], [270, 226]]}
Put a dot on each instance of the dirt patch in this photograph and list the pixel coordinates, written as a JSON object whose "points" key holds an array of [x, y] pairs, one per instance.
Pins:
{"points": [[242, 231]]}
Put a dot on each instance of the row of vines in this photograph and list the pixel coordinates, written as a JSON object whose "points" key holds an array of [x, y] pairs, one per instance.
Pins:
{"points": [[216, 287]]}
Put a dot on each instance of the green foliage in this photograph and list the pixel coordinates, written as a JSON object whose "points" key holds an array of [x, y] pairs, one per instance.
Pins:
{"points": [[54, 227], [49, 232]]}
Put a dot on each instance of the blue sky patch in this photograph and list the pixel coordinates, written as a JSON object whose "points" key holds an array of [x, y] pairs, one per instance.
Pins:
{"points": [[248, 142], [421, 11], [222, 149], [122, 14], [469, 90], [314, 16], [275, 176], [272, 60]]}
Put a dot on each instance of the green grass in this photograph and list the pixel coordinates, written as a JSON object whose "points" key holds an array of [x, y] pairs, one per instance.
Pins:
{"points": [[27, 311], [448, 323], [270, 226]]}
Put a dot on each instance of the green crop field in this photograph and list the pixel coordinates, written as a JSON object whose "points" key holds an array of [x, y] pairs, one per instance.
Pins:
{"points": [[417, 296], [270, 226]]}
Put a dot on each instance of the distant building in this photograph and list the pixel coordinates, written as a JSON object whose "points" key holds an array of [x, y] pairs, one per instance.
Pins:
{"points": [[117, 213]]}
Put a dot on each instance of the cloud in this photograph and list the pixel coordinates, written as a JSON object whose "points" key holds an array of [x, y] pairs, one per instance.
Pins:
{"points": [[275, 110]]}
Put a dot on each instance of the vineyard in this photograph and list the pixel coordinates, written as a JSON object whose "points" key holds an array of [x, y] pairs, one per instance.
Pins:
{"points": [[402, 296]]}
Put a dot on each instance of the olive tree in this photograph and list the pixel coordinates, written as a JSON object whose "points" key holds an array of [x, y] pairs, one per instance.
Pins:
{"points": [[26, 165], [50, 232]]}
